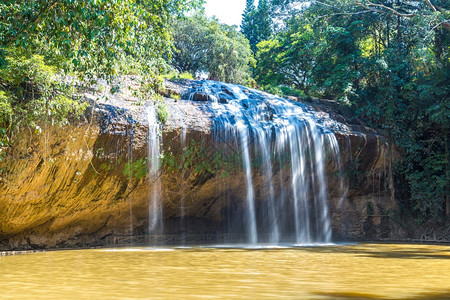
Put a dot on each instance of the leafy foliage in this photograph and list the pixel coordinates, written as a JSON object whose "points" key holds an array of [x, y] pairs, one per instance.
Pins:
{"points": [[163, 113], [387, 59], [205, 45], [31, 93], [42, 41], [93, 35], [256, 22], [135, 170]]}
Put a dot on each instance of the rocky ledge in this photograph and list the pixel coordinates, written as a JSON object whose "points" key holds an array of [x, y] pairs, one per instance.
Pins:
{"points": [[80, 184]]}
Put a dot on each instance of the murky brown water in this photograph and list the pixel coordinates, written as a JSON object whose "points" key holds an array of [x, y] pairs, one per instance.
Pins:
{"points": [[366, 271]]}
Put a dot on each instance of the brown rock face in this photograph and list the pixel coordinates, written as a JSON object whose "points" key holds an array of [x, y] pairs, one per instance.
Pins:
{"points": [[79, 184]]}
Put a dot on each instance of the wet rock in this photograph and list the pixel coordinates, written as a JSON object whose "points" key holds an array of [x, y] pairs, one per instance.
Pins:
{"points": [[226, 90], [225, 98], [200, 97]]}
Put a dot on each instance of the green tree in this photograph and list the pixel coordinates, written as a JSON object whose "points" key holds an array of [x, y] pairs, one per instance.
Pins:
{"points": [[205, 45], [43, 40], [256, 23], [190, 43], [389, 60], [288, 58], [92, 35], [248, 27]]}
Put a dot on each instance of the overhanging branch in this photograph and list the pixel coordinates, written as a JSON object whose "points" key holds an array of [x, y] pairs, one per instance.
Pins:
{"points": [[431, 5], [375, 7]]}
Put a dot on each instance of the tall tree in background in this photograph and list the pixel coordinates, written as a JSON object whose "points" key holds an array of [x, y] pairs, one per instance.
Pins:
{"points": [[257, 22], [205, 45], [247, 26]]}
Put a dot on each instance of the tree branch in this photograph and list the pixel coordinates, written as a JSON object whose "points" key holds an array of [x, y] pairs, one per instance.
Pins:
{"points": [[445, 23], [345, 14], [431, 5], [371, 5], [369, 8], [326, 4]]}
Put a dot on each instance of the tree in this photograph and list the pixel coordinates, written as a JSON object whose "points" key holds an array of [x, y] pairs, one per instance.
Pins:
{"points": [[40, 40], [248, 27], [288, 59], [190, 43], [388, 60], [256, 23], [205, 45], [92, 35]]}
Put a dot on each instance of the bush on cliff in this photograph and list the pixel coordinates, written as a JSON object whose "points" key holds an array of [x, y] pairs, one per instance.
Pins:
{"points": [[30, 93]]}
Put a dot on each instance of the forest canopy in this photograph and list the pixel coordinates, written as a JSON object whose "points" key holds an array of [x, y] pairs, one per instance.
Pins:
{"points": [[205, 45], [388, 60]]}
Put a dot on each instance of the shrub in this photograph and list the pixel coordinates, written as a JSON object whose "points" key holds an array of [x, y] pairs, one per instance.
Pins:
{"points": [[32, 92], [161, 110]]}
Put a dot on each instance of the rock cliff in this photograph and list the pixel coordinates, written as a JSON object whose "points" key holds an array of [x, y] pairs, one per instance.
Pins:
{"points": [[79, 184]]}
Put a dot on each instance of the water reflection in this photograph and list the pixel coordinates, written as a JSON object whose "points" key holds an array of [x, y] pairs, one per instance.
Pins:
{"points": [[369, 271], [363, 296], [390, 251]]}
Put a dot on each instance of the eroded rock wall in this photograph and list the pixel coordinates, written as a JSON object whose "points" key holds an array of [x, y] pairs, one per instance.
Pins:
{"points": [[78, 184]]}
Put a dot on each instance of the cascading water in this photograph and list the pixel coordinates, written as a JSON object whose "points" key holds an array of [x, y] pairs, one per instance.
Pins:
{"points": [[154, 144], [279, 141], [183, 187]]}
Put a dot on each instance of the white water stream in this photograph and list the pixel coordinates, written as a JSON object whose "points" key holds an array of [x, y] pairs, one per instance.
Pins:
{"points": [[283, 151]]}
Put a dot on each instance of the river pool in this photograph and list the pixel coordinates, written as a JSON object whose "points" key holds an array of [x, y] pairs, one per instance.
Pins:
{"points": [[358, 271]]}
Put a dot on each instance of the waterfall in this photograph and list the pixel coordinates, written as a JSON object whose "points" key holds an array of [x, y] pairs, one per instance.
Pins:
{"points": [[277, 139], [183, 192], [251, 215], [154, 144]]}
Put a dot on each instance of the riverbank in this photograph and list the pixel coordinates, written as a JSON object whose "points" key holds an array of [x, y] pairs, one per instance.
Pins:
{"points": [[192, 242]]}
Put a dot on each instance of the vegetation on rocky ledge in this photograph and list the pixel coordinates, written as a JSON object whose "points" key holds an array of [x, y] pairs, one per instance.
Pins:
{"points": [[43, 42]]}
